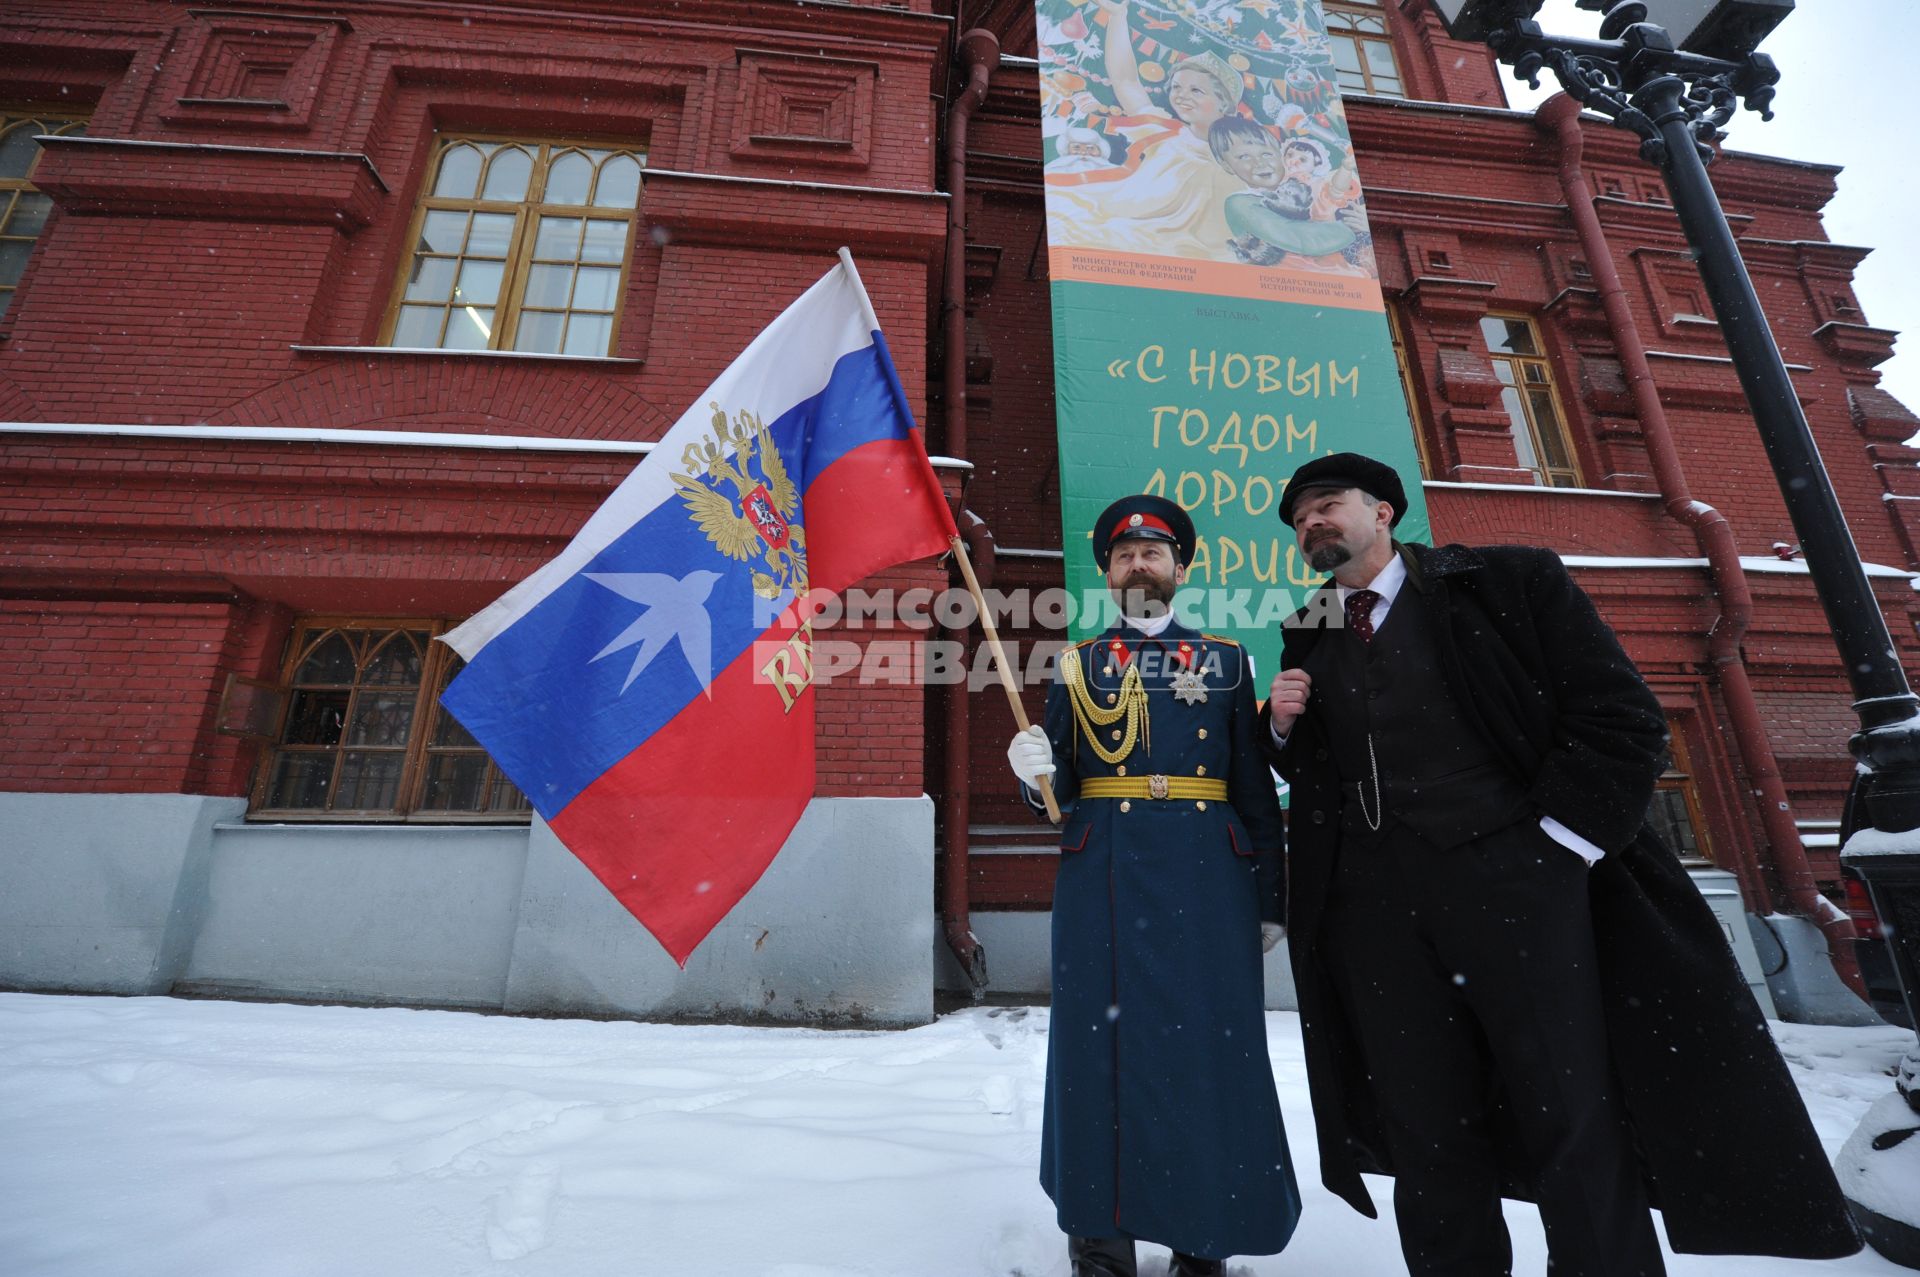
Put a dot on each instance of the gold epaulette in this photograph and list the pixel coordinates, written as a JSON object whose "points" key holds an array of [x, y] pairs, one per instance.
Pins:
{"points": [[1221, 638]]}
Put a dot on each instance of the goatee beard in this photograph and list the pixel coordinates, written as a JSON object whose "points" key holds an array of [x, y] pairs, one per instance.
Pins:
{"points": [[1328, 554]]}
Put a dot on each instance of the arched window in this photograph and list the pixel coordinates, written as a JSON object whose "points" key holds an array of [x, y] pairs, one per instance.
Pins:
{"points": [[23, 209], [1675, 813], [520, 245], [354, 731], [1362, 50], [1397, 329], [1531, 402]]}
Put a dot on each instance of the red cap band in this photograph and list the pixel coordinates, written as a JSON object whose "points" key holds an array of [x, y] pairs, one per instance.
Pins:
{"points": [[1135, 522]]}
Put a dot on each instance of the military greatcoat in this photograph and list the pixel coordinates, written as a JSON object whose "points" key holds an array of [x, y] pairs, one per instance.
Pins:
{"points": [[1161, 1118]]}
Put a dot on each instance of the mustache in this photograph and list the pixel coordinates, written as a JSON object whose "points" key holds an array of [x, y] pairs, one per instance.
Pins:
{"points": [[1145, 576]]}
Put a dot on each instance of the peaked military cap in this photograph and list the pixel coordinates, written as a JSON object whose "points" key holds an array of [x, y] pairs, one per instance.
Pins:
{"points": [[1345, 470], [1150, 518]]}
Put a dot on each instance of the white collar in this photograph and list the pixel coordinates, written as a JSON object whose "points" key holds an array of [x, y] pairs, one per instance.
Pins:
{"points": [[1386, 583], [1152, 627]]}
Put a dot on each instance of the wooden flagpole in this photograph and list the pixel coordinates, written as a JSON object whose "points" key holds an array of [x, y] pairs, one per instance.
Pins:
{"points": [[1000, 659]]}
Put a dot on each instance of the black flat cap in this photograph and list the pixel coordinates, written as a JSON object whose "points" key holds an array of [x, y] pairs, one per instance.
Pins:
{"points": [[1152, 518], [1345, 470]]}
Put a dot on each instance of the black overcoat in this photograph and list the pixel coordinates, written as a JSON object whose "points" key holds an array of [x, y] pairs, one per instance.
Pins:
{"points": [[1729, 1154]]}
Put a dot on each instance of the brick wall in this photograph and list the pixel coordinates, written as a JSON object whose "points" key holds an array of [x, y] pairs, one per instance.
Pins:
{"points": [[106, 697], [176, 280]]}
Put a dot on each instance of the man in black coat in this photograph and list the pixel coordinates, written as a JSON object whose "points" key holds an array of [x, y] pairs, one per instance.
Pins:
{"points": [[1508, 986]]}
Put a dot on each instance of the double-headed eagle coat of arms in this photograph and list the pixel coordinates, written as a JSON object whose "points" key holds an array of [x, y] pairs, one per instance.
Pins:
{"points": [[757, 517]]}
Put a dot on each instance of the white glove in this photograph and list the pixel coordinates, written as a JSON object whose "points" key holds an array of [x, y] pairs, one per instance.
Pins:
{"points": [[1030, 754], [1271, 934]]}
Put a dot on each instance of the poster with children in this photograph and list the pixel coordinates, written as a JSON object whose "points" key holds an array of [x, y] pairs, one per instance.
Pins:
{"points": [[1217, 312]]}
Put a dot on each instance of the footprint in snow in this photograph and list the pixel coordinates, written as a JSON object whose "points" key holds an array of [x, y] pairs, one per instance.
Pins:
{"points": [[998, 1094], [521, 1213]]}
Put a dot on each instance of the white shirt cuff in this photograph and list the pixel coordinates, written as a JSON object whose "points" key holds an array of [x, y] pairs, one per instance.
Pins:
{"points": [[1279, 737], [1571, 841]]}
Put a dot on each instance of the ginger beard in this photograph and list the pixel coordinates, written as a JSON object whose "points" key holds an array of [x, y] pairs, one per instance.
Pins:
{"points": [[1143, 577]]}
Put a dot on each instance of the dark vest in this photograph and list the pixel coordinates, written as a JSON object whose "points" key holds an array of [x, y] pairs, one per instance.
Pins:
{"points": [[1437, 775]]}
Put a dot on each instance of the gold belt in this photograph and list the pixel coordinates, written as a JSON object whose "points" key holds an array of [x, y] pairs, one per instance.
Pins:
{"points": [[1181, 787]]}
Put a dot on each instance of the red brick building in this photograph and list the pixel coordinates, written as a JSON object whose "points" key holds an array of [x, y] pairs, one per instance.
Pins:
{"points": [[1534, 424], [325, 323]]}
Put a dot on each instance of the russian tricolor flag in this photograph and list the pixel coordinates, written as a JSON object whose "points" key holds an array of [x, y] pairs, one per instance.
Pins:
{"points": [[650, 688]]}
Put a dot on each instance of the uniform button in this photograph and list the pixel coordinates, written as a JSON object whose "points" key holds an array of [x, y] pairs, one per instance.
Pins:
{"points": [[1121, 770], [1108, 671], [1125, 805], [1203, 733], [1199, 771], [1112, 697], [1319, 755], [1117, 733], [1201, 805], [1319, 817]]}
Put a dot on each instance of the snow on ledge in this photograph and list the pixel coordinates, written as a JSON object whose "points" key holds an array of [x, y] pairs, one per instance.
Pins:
{"points": [[361, 438], [1751, 563], [537, 356], [1515, 488], [321, 434]]}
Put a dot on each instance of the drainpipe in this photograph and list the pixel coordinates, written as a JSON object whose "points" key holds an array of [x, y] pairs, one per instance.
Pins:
{"points": [[979, 55], [1560, 116]]}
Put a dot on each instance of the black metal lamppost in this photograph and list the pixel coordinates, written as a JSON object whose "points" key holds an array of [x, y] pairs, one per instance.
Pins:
{"points": [[1676, 96]]}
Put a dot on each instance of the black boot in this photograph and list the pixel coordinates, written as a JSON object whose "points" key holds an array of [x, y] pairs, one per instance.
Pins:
{"points": [[1189, 1266], [1102, 1256]]}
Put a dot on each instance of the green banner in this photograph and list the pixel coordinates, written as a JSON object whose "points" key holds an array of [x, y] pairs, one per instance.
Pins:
{"points": [[1217, 317]]}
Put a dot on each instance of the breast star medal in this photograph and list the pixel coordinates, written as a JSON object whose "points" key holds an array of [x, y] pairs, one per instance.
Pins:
{"points": [[1189, 688]]}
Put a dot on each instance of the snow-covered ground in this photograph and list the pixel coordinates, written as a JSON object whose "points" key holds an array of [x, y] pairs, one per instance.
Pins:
{"points": [[148, 1137]]}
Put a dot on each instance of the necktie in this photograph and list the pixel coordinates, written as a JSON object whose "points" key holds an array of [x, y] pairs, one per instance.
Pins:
{"points": [[1360, 614]]}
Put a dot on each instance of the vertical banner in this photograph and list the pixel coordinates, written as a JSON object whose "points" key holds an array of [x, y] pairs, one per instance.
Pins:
{"points": [[1217, 317]]}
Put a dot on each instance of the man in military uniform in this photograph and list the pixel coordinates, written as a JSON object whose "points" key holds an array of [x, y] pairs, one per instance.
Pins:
{"points": [[1161, 1117]]}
